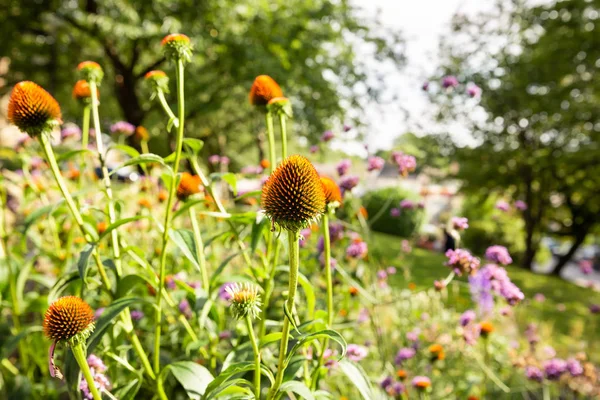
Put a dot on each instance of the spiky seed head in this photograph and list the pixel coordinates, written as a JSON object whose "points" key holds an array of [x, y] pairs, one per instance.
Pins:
{"points": [[263, 90], [177, 46], [245, 300], [188, 185], [32, 109], [333, 193], [158, 80], [293, 196], [68, 319], [82, 92], [90, 71]]}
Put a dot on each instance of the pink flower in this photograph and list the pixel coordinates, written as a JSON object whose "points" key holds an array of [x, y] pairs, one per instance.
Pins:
{"points": [[520, 205], [214, 159], [502, 205], [314, 148], [375, 164], [449, 81], [460, 223], [473, 90], [395, 212], [327, 136], [405, 162], [425, 86], [356, 352], [407, 204], [586, 267], [343, 167]]}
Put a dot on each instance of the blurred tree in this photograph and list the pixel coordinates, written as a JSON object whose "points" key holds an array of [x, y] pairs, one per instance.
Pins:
{"points": [[536, 129], [309, 47]]}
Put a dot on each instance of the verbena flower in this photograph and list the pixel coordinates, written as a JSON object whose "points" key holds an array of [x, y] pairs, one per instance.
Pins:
{"points": [[327, 136], [122, 128], [395, 212], [449, 81], [357, 249], [245, 300], [68, 319], [32, 109], [356, 352], [177, 46], [473, 90], [574, 367], [467, 317], [462, 262], [313, 149], [348, 183], [214, 159], [70, 131], [293, 196], [343, 167], [534, 373], [223, 292], [137, 315], [498, 254], [404, 354], [264, 88], [407, 204], [375, 164], [332, 191], [406, 163], [188, 185], [425, 86], [502, 205], [101, 381], [520, 205], [501, 283], [554, 368], [185, 308], [460, 223], [481, 291]]}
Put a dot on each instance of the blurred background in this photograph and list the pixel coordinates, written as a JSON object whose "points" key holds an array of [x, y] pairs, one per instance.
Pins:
{"points": [[498, 100]]}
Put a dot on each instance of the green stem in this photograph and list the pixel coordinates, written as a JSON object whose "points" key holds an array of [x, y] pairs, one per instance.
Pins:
{"points": [[293, 237], [168, 216], [271, 137], [283, 130], [79, 354], [256, 356], [269, 290], [85, 127], [165, 106], [199, 249]]}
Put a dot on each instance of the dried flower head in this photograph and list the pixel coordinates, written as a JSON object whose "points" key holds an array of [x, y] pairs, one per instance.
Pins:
{"points": [[69, 318], [333, 194], [177, 46], [188, 185], [90, 71], [263, 90], [32, 109], [245, 300], [158, 80], [293, 196], [82, 92]]}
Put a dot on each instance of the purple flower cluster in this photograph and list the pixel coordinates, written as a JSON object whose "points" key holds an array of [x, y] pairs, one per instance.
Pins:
{"points": [[405, 162], [502, 205], [185, 308], [356, 352], [375, 164], [498, 254], [137, 315], [534, 373], [554, 368], [123, 128], [501, 283], [357, 249], [101, 382], [395, 212], [343, 167], [467, 317], [449, 81], [481, 292], [348, 183], [313, 149], [404, 354], [214, 159], [392, 388], [461, 261], [327, 136], [586, 267], [70, 131], [460, 223], [407, 204], [223, 293], [520, 205]]}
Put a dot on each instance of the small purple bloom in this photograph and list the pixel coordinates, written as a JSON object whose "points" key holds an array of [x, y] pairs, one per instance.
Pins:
{"points": [[467, 317], [498, 254], [348, 183], [405, 162], [502, 205], [574, 367], [356, 352], [123, 128], [534, 374], [347, 127], [594, 308], [343, 167], [391, 270], [224, 335], [407, 204], [225, 160], [214, 159], [137, 315], [375, 164], [314, 148], [425, 86], [382, 274], [304, 236], [386, 382], [98, 313], [70, 131], [554, 368], [449, 81], [520, 205], [539, 297], [460, 223], [223, 293], [357, 250], [586, 267], [185, 309], [395, 212], [473, 90], [363, 315], [327, 136], [461, 261], [101, 381], [404, 354]]}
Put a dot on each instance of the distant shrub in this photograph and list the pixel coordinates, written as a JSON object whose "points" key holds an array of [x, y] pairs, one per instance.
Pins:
{"points": [[386, 214]]}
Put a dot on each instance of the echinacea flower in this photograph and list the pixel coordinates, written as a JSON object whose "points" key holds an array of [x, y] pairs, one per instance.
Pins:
{"points": [[68, 319], [90, 71], [498, 254], [280, 106], [332, 191], [245, 300], [177, 46], [264, 88], [437, 352], [82, 92], [485, 328], [461, 261], [32, 109], [158, 80], [293, 196], [421, 382], [188, 186]]}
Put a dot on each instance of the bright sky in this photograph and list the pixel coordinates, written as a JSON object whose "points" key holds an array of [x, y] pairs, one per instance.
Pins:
{"points": [[422, 23]]}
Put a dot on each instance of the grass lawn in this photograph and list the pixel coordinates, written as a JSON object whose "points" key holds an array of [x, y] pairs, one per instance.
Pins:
{"points": [[564, 314]]}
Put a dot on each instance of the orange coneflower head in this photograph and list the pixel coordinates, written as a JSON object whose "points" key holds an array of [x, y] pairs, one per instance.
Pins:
{"points": [[156, 74], [67, 318], [293, 196], [32, 109], [265, 164], [188, 185], [141, 134], [332, 190], [177, 46], [280, 105], [486, 328], [101, 227], [159, 80], [90, 71], [81, 90], [263, 90]]}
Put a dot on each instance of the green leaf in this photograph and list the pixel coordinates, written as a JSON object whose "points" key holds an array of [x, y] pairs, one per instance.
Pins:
{"points": [[193, 377], [308, 289], [129, 391], [148, 158], [130, 151], [120, 222], [127, 283], [297, 387], [218, 271], [170, 158], [228, 177], [326, 333], [358, 377], [84, 258], [70, 154], [10, 344], [194, 145], [35, 215], [22, 279], [184, 239], [220, 382], [258, 228], [61, 284], [187, 205]]}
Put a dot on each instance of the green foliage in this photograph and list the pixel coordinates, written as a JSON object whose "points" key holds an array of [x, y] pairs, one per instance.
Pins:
{"points": [[379, 204]]}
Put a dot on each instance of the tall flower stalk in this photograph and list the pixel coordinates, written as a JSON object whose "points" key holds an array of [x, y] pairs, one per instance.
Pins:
{"points": [[178, 48]]}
